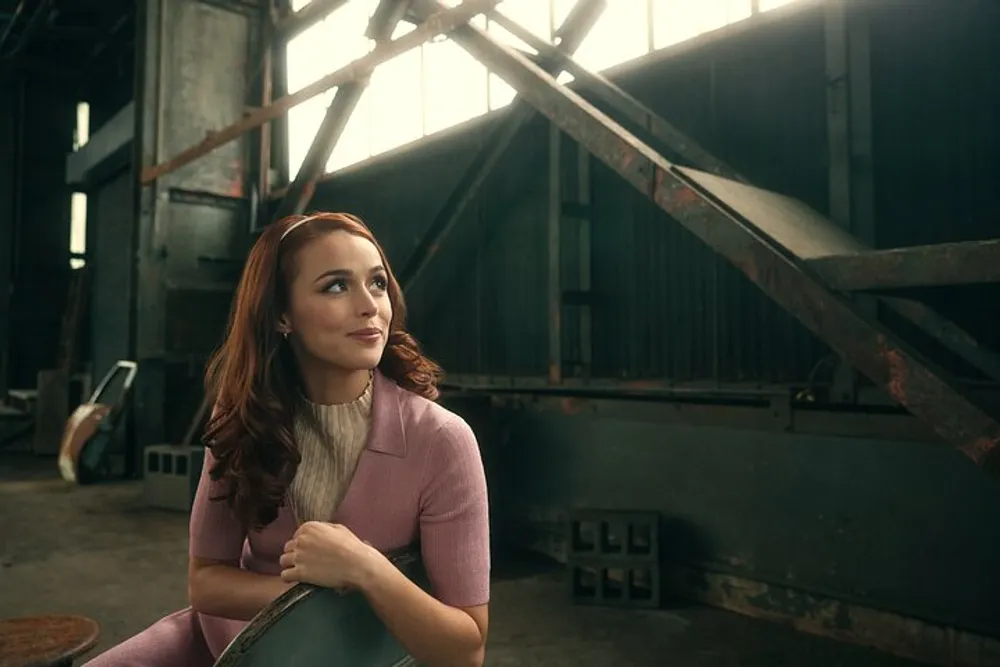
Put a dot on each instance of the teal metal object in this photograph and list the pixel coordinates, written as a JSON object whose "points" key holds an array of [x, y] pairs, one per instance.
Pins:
{"points": [[311, 626]]}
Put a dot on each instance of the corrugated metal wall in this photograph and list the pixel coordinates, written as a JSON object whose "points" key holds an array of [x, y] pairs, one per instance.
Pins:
{"points": [[936, 98]]}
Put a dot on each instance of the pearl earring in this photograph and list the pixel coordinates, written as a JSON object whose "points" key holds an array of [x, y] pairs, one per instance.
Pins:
{"points": [[284, 334]]}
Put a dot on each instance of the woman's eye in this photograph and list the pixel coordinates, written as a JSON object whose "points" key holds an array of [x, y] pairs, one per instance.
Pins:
{"points": [[336, 286], [380, 283]]}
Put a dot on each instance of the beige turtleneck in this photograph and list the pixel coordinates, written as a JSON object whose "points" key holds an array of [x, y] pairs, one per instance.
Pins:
{"points": [[330, 439]]}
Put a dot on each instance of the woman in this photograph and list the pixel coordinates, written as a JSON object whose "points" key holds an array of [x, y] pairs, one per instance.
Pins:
{"points": [[324, 451]]}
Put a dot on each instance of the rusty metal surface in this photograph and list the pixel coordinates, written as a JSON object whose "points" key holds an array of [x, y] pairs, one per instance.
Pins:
{"points": [[914, 382], [45, 641], [964, 263], [793, 225]]}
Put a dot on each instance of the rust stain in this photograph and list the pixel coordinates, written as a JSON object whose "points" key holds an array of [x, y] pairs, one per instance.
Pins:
{"points": [[899, 374], [981, 448], [626, 158], [570, 406], [683, 197], [641, 384]]}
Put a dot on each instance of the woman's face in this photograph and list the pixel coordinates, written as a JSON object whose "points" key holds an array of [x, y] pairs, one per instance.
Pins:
{"points": [[339, 310]]}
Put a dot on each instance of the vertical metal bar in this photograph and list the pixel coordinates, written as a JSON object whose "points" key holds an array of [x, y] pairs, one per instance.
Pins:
{"points": [[859, 67], [380, 28], [9, 167], [147, 318], [279, 126], [838, 139], [584, 229], [838, 113], [554, 282], [266, 97]]}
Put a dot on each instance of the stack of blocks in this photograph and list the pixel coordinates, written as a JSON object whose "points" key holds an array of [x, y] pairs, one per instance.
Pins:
{"points": [[170, 475], [614, 558]]}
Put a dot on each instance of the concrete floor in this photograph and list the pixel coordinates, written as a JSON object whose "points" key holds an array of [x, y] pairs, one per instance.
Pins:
{"points": [[96, 551]]}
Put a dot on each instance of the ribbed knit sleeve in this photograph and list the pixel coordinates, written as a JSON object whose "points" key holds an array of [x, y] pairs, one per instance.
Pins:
{"points": [[454, 518], [214, 531]]}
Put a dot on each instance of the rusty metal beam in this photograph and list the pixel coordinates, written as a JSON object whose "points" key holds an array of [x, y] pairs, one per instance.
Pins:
{"points": [[381, 25], [300, 21], [688, 150], [631, 109], [441, 22], [964, 263], [574, 30], [725, 225]]}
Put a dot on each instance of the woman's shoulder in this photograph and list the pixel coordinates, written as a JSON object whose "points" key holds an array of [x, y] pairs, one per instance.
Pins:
{"points": [[425, 421], [413, 426]]}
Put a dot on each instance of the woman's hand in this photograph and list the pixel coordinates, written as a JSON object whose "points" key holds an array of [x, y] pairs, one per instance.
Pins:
{"points": [[326, 554]]}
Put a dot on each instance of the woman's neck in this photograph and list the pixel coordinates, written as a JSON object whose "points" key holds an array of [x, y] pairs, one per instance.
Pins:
{"points": [[330, 387]]}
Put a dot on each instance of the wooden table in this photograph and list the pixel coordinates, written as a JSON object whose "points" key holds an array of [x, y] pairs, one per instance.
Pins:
{"points": [[45, 641]]}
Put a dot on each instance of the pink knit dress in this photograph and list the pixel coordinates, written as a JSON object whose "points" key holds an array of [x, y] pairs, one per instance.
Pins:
{"points": [[419, 476]]}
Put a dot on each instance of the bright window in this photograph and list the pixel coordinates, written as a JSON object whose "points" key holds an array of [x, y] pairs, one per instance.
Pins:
{"points": [[439, 85], [78, 201]]}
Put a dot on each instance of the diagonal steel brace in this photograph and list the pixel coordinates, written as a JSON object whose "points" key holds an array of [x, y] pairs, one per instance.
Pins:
{"points": [[573, 31], [629, 107], [381, 25], [947, 332], [927, 391]]}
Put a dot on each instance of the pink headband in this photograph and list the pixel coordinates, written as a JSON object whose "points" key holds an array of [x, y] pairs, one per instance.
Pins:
{"points": [[294, 225]]}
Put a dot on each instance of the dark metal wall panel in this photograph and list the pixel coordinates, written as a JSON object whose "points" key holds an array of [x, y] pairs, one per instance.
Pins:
{"points": [[9, 97], [46, 112], [936, 134], [847, 518], [110, 263]]}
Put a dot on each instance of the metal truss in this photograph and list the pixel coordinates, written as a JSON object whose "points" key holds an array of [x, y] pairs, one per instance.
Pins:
{"points": [[802, 260]]}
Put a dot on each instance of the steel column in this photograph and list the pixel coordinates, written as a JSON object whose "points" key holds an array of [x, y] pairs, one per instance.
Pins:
{"points": [[553, 267], [380, 28], [441, 22], [573, 30], [730, 227]]}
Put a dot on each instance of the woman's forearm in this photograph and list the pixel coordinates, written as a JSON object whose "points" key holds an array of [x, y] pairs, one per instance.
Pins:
{"points": [[435, 634], [218, 589]]}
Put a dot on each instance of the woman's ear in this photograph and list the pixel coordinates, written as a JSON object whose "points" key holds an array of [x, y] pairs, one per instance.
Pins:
{"points": [[284, 326]]}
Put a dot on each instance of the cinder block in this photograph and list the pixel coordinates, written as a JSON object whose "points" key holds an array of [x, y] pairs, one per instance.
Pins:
{"points": [[614, 558], [170, 475]]}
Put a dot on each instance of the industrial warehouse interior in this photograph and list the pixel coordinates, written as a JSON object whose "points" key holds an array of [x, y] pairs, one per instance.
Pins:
{"points": [[372, 333]]}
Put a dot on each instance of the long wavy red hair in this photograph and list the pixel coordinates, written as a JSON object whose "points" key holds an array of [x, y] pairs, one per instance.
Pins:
{"points": [[253, 378]]}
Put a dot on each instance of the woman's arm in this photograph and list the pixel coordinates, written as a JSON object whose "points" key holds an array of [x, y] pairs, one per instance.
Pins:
{"points": [[448, 629], [434, 633], [216, 584], [220, 588]]}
